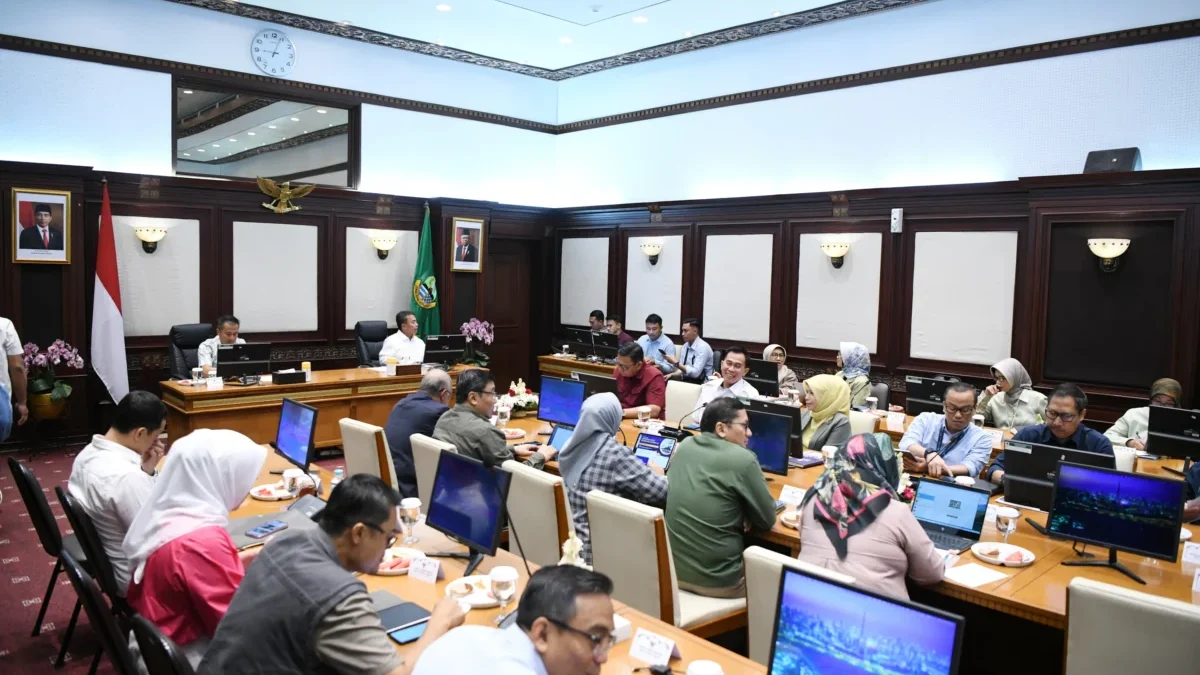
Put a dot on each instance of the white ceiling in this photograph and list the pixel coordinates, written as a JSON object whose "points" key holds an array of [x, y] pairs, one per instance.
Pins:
{"points": [[546, 33], [277, 122]]}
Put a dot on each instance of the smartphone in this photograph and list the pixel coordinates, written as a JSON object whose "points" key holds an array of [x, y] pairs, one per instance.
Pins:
{"points": [[410, 632], [779, 505], [267, 529]]}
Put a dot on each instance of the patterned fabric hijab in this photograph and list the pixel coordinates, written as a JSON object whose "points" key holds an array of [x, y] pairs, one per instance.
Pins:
{"points": [[1018, 379], [856, 360], [1167, 387], [856, 489]]}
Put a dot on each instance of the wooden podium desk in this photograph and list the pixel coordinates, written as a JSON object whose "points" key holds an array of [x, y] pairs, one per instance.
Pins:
{"points": [[358, 393], [558, 366]]}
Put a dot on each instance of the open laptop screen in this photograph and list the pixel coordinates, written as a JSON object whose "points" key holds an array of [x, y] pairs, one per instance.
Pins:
{"points": [[950, 505]]}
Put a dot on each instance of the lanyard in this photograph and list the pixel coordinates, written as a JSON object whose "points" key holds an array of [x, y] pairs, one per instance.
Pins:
{"points": [[953, 442]]}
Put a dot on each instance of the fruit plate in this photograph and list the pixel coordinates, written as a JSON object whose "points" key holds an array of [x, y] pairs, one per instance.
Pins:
{"points": [[475, 590], [1184, 534], [997, 553], [270, 492], [397, 553]]}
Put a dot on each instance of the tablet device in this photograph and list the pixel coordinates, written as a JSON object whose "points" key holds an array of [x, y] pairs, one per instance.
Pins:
{"points": [[403, 615], [560, 436], [654, 450]]}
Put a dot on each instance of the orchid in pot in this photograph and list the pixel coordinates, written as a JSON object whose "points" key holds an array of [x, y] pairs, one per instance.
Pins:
{"points": [[479, 334], [47, 394]]}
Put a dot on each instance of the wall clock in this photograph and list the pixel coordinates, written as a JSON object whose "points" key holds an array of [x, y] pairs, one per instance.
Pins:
{"points": [[273, 52]]}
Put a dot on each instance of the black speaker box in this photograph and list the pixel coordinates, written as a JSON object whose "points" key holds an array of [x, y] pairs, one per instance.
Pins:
{"points": [[1117, 159]]}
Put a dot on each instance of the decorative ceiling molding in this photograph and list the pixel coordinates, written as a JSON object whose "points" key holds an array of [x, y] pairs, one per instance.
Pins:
{"points": [[293, 142], [834, 12], [246, 109]]}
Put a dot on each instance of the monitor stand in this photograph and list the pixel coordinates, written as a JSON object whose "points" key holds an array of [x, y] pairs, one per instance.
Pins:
{"points": [[473, 559], [1111, 562], [1187, 464]]}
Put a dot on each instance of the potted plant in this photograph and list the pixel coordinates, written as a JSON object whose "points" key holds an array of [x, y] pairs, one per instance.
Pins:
{"points": [[479, 334], [47, 394], [520, 399]]}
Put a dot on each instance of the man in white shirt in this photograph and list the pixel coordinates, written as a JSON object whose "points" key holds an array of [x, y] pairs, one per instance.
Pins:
{"points": [[731, 382], [227, 334], [564, 627], [113, 476], [404, 345], [12, 380]]}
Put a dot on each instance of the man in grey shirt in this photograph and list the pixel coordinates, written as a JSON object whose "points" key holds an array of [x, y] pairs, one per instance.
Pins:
{"points": [[468, 428]]}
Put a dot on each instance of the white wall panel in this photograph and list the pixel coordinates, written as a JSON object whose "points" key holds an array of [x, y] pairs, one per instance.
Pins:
{"points": [[838, 305], [654, 289], [275, 276], [737, 286], [963, 286], [160, 289], [377, 289], [583, 283]]}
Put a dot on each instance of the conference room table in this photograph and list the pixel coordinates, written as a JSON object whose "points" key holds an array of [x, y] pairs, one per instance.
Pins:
{"points": [[363, 394], [1037, 592], [620, 662], [563, 366]]}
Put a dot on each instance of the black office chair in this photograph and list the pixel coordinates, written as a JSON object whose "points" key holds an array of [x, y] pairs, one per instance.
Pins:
{"points": [[93, 548], [882, 393], [368, 341], [185, 344], [53, 543], [159, 652], [112, 639]]}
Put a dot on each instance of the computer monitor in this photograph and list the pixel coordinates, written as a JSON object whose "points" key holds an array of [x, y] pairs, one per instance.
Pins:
{"points": [[560, 400], [769, 388], [1039, 461], [774, 408], [1175, 433], [448, 349], [825, 626], [760, 369], [467, 504], [592, 343], [926, 394], [950, 508], [1133, 512], [653, 449], [249, 358], [294, 436], [770, 439], [596, 384]]}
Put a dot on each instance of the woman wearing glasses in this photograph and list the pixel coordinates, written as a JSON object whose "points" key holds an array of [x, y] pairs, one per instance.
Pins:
{"points": [[1011, 403], [1131, 429], [826, 417]]}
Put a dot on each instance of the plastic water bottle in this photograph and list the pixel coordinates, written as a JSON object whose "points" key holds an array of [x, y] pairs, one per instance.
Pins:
{"points": [[338, 475]]}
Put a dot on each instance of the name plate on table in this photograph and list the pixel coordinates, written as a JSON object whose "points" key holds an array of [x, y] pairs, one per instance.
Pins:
{"points": [[997, 436], [895, 421], [428, 570], [653, 648], [1191, 553]]}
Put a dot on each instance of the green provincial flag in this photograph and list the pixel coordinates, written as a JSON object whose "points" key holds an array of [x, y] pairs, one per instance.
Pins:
{"points": [[424, 288]]}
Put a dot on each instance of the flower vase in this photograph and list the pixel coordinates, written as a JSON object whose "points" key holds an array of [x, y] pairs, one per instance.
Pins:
{"points": [[43, 408]]}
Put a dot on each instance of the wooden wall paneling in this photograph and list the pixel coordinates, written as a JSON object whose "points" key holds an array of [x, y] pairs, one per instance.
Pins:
{"points": [[689, 294], [464, 289], [779, 315], [404, 221], [524, 235]]}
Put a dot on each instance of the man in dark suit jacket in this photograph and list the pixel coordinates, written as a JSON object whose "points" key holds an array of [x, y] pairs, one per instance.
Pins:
{"points": [[465, 252], [42, 235], [416, 414]]}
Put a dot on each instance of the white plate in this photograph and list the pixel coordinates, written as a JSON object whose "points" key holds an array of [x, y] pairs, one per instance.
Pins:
{"points": [[513, 434], [1005, 549], [790, 519], [391, 553], [278, 494], [1184, 534], [478, 599]]}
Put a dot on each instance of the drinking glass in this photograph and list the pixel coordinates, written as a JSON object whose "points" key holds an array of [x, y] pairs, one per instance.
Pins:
{"points": [[1006, 521], [644, 414], [872, 403], [504, 584], [410, 514], [503, 415], [977, 420]]}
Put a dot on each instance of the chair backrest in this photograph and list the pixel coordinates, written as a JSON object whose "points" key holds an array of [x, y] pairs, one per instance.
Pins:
{"points": [[100, 616], [93, 547], [882, 393], [630, 545], [764, 569], [425, 461], [159, 652], [37, 506], [861, 423], [368, 341], [366, 450], [1113, 630], [681, 399], [537, 506], [185, 340]]}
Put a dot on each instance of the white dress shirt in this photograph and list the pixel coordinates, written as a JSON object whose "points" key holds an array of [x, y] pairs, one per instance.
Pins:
{"points": [[715, 388], [108, 481], [403, 348], [482, 649], [207, 353], [10, 344]]}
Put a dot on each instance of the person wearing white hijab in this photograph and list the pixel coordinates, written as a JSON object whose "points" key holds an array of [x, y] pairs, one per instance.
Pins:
{"points": [[1011, 403], [593, 460], [185, 565], [787, 377]]}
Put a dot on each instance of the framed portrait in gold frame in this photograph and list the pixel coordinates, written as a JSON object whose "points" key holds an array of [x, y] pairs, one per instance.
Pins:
{"points": [[41, 226], [466, 245]]}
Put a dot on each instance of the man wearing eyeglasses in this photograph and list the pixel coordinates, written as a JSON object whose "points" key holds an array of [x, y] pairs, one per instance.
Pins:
{"points": [[948, 444], [1064, 427], [468, 427], [564, 627], [638, 383]]}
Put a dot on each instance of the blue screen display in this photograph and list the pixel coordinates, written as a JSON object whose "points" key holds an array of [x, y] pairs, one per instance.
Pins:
{"points": [[1128, 511], [559, 437], [653, 449], [294, 436], [409, 634], [560, 400], [950, 505], [771, 436], [828, 629], [467, 500]]}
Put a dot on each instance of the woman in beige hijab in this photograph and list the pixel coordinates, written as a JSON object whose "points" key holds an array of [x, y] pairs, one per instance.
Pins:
{"points": [[1011, 403], [787, 378], [1133, 426]]}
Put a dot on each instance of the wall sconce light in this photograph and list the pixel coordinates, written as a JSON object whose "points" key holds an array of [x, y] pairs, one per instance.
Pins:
{"points": [[837, 253], [150, 236], [652, 249], [1108, 250], [384, 242]]}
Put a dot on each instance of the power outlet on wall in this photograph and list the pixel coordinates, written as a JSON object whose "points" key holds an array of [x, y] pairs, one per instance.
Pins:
{"points": [[897, 221]]}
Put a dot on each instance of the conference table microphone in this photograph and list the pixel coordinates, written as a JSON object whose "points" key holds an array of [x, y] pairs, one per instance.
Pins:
{"points": [[679, 433]]}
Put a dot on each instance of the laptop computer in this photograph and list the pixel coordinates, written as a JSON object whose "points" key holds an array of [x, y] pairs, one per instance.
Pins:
{"points": [[951, 514], [559, 436], [654, 450]]}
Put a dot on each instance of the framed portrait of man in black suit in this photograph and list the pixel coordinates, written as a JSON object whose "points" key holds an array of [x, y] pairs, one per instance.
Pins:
{"points": [[466, 245], [41, 222]]}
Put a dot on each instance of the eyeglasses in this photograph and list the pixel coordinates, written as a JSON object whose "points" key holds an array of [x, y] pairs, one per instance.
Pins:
{"points": [[1055, 415], [380, 530], [744, 425], [625, 367], [951, 410], [600, 643], [1163, 400], [488, 393]]}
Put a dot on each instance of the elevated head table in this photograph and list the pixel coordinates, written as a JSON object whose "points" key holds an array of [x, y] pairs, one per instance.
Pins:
{"points": [[358, 393]]}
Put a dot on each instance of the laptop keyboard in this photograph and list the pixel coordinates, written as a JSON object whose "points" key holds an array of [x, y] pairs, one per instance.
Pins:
{"points": [[949, 541]]}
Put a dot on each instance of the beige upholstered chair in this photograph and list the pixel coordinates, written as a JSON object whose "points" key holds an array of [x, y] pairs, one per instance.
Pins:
{"points": [[630, 545], [1113, 630], [764, 570], [537, 506], [861, 423], [681, 399], [425, 461], [367, 451]]}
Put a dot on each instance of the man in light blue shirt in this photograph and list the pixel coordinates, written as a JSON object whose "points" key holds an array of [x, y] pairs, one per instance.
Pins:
{"points": [[564, 627], [949, 445], [695, 360], [655, 345]]}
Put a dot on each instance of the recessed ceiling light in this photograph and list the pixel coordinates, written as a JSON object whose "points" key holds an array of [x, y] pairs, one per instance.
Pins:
{"points": [[330, 125], [687, 33], [322, 111], [295, 119], [216, 145], [271, 126], [199, 149], [565, 40], [777, 14], [344, 23], [640, 19], [249, 133], [187, 154], [443, 7], [187, 91]]}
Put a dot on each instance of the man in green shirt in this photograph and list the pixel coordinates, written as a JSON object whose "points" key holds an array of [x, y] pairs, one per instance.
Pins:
{"points": [[715, 490]]}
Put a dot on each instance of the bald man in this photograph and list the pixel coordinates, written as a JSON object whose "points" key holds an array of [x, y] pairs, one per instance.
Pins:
{"points": [[416, 414]]}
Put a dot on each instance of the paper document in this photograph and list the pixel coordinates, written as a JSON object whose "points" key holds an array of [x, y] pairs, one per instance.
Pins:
{"points": [[974, 575]]}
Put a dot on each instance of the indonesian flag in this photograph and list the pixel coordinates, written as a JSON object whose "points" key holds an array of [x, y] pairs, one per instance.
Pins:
{"points": [[108, 328]]}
